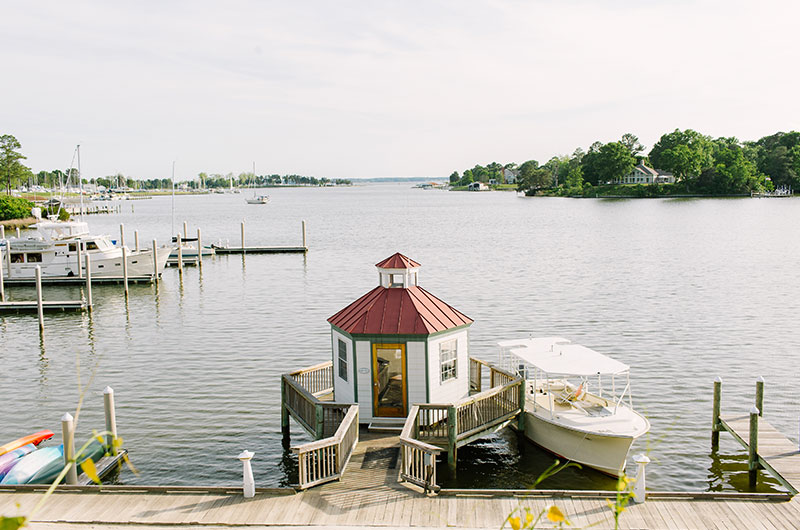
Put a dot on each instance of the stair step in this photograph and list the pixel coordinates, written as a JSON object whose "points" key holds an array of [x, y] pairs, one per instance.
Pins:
{"points": [[385, 427]]}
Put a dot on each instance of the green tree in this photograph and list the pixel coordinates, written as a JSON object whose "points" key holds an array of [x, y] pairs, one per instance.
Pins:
{"points": [[684, 153], [606, 163], [11, 169], [454, 177], [632, 144]]}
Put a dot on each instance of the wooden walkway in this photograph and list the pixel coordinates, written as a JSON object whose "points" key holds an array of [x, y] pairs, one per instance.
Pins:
{"points": [[776, 453], [369, 495], [260, 250], [47, 305]]}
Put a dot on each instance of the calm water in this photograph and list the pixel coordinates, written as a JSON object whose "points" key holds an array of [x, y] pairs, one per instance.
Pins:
{"points": [[682, 290]]}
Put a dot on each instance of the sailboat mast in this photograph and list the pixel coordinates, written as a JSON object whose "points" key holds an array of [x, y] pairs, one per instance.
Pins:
{"points": [[80, 180], [173, 199]]}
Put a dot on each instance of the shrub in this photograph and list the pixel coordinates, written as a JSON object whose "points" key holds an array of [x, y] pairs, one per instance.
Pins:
{"points": [[14, 208]]}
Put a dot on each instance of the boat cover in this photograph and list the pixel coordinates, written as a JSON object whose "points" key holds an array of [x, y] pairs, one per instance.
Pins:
{"points": [[555, 355]]}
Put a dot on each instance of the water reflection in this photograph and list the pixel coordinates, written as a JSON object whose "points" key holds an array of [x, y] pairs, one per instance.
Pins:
{"points": [[729, 471], [43, 364], [288, 469]]}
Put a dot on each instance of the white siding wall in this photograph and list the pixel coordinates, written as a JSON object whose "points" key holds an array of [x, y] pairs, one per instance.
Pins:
{"points": [[457, 388], [415, 373], [342, 390], [364, 364]]}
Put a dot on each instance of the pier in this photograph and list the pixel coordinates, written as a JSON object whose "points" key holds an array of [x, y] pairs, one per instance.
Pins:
{"points": [[46, 305], [261, 249]]}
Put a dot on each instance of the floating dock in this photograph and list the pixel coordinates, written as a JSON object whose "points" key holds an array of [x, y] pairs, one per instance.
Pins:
{"points": [[47, 305], [104, 466], [260, 250], [76, 280]]}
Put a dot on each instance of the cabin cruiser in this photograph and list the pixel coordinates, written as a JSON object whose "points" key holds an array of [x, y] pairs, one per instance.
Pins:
{"points": [[578, 402], [57, 247]]}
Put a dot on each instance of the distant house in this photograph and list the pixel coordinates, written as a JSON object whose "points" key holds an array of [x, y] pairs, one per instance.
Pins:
{"points": [[477, 186], [642, 174], [492, 182], [510, 176]]}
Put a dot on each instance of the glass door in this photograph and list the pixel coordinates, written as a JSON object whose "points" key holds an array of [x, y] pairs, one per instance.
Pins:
{"points": [[389, 380]]}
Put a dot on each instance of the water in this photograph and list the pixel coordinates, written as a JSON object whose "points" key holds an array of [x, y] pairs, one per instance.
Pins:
{"points": [[682, 290]]}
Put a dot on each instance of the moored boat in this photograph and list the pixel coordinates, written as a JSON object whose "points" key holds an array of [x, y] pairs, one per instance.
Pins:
{"points": [[35, 439], [595, 428], [11, 458]]}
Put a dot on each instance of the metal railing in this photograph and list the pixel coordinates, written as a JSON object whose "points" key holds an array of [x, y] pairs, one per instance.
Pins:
{"points": [[325, 460]]}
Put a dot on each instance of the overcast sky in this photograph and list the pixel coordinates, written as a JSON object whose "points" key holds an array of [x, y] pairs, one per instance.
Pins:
{"points": [[383, 88]]}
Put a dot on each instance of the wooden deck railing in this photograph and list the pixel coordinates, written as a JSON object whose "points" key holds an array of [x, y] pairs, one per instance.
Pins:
{"points": [[325, 460], [419, 458], [317, 379], [497, 376]]}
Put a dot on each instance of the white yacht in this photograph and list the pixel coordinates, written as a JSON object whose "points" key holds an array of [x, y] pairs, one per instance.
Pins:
{"points": [[55, 248], [578, 401]]}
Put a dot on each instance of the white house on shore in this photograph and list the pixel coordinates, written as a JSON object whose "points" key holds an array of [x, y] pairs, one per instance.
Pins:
{"points": [[477, 186], [398, 345], [510, 175], [642, 174]]}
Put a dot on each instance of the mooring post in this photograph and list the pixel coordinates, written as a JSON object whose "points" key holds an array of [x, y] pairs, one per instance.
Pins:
{"points": [[121, 235], [304, 235], [760, 395], [199, 249], [180, 255], [639, 493], [68, 437], [2, 232], [8, 258], [136, 239], [89, 281], [18, 236], [452, 433], [521, 418], [39, 304], [284, 415], [125, 267], [111, 419], [242, 236], [185, 230], [248, 485], [752, 455], [715, 423], [2, 287], [319, 430], [155, 262], [79, 244]]}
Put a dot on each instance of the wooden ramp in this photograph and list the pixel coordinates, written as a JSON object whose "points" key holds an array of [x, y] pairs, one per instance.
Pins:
{"points": [[368, 495], [776, 453]]}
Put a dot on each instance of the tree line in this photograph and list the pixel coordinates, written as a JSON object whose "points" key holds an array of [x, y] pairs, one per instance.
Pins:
{"points": [[13, 174], [699, 163]]}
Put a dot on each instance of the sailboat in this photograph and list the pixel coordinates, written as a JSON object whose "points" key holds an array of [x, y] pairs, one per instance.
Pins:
{"points": [[257, 199]]}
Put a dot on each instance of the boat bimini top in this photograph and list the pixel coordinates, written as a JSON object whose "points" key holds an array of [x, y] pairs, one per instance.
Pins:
{"points": [[558, 356]]}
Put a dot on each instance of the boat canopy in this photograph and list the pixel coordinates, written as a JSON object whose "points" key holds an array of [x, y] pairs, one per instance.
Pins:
{"points": [[555, 355], [53, 230]]}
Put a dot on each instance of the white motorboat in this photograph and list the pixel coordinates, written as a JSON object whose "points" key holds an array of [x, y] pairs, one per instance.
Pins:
{"points": [[58, 245], [261, 199], [189, 254], [592, 427]]}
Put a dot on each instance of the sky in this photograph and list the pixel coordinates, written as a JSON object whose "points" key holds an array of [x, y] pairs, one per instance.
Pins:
{"points": [[352, 89]]}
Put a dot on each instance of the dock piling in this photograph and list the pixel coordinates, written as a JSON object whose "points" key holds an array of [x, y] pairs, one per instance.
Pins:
{"points": [[248, 484], [155, 262], [39, 305], [752, 455], [89, 282], [185, 230], [199, 248], [121, 235], [111, 419], [639, 493], [284, 416], [715, 424], [760, 395], [180, 255], [2, 287], [304, 234], [2, 232], [136, 239], [18, 236], [125, 268], [243, 251], [68, 437], [452, 431], [8, 258], [79, 245]]}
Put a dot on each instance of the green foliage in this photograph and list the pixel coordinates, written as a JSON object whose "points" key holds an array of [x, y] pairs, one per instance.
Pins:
{"points": [[684, 153], [14, 208], [11, 169], [62, 214], [607, 163]]}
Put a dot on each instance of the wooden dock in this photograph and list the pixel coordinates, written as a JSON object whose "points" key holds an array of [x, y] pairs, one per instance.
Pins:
{"points": [[47, 305], [105, 466], [260, 250], [369, 496], [776, 453], [75, 280]]}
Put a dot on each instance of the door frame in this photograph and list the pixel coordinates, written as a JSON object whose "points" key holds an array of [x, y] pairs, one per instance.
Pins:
{"points": [[375, 409]]}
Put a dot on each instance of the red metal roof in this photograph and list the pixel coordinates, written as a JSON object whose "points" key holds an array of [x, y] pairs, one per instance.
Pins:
{"points": [[410, 311], [397, 261]]}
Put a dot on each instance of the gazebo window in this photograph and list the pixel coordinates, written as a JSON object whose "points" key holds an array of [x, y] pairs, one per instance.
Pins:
{"points": [[397, 280], [342, 360], [448, 357]]}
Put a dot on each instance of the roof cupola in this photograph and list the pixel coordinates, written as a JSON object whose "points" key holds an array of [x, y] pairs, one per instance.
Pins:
{"points": [[398, 271]]}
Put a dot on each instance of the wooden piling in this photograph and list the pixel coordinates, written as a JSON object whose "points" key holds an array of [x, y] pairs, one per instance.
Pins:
{"points": [[319, 430], [199, 249], [125, 268], [8, 258], [180, 255], [2, 232], [121, 235], [243, 251], [155, 262], [89, 282], [452, 433], [304, 235], [79, 245], [136, 239], [39, 305], [284, 416], [715, 424], [18, 235], [2, 287], [68, 438], [111, 419], [185, 230], [752, 455], [760, 395]]}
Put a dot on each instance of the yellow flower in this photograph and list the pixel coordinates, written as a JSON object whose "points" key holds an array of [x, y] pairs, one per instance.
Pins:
{"points": [[514, 522], [555, 515], [528, 518]]}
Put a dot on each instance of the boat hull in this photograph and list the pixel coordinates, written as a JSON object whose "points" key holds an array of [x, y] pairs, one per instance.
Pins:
{"points": [[606, 453], [35, 439], [12, 458], [105, 264]]}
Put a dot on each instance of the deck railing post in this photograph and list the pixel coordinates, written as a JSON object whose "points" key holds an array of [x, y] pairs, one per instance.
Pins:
{"points": [[760, 395], [452, 435], [639, 493], [715, 423], [284, 415], [752, 456], [68, 438], [111, 419], [248, 484], [89, 282], [319, 428]]}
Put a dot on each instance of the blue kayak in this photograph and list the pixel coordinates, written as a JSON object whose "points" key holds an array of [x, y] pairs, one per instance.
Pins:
{"points": [[9, 460], [44, 465]]}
